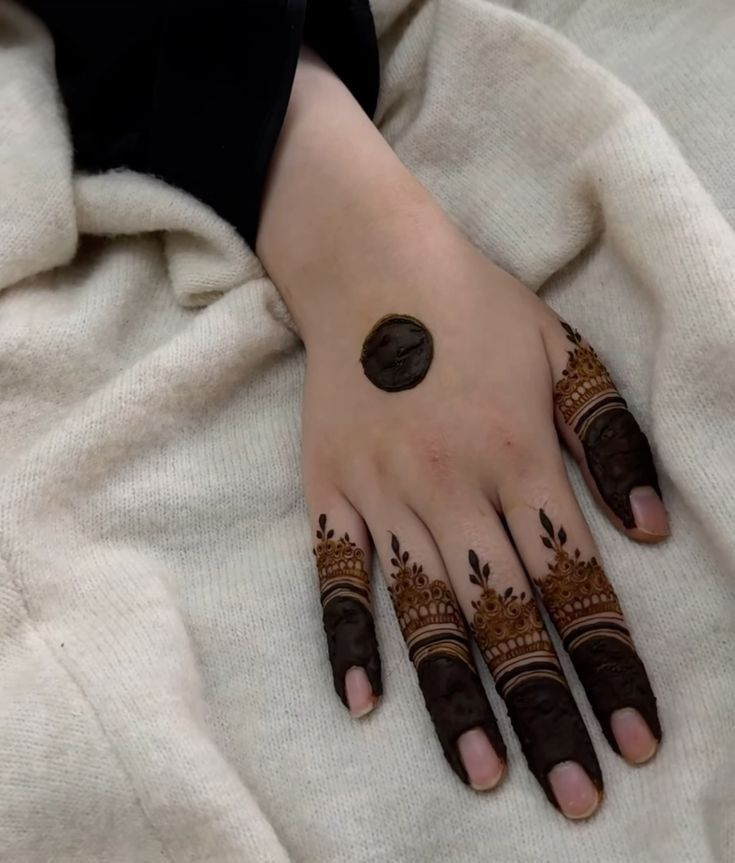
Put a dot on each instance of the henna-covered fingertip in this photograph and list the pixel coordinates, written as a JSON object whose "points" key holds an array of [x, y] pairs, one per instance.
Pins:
{"points": [[347, 617]]}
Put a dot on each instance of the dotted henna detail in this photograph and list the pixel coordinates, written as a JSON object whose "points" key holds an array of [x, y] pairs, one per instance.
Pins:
{"points": [[341, 567], [586, 612], [585, 388], [429, 619], [509, 631], [580, 599]]}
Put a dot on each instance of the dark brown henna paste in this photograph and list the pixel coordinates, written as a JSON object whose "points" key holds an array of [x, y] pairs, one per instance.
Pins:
{"points": [[512, 637], [436, 637], [397, 353], [348, 621], [618, 453], [586, 612]]}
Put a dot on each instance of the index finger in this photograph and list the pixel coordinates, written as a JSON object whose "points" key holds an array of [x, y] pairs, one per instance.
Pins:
{"points": [[604, 437]]}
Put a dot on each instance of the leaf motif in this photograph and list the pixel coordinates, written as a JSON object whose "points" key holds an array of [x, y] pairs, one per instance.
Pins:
{"points": [[562, 536], [323, 521], [405, 556], [475, 580], [394, 562], [546, 541], [347, 537], [319, 535], [508, 592], [330, 533], [486, 571], [474, 562], [523, 594], [546, 523], [394, 544]]}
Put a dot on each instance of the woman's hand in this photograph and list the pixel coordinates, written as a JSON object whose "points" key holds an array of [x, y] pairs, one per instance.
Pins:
{"points": [[461, 484], [456, 473]]}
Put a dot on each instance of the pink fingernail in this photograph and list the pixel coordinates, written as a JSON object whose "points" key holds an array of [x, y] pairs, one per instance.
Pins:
{"points": [[637, 743], [359, 693], [574, 791], [648, 511], [484, 768]]}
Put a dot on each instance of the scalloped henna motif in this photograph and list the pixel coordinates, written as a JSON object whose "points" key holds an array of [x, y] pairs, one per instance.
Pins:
{"points": [[429, 619]]}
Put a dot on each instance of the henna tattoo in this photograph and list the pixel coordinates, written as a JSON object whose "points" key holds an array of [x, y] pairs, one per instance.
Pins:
{"points": [[511, 635], [586, 612], [344, 586], [397, 353], [438, 645], [430, 621], [617, 452]]}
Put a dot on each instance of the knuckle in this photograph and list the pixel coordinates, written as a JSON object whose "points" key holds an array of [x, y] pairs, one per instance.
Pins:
{"points": [[435, 458]]}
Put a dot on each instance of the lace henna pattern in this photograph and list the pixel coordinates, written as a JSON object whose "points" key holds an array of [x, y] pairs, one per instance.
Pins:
{"points": [[341, 567], [429, 619], [585, 389], [510, 633], [586, 612], [580, 599], [438, 645]]}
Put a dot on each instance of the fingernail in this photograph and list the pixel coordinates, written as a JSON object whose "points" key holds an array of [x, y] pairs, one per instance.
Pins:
{"points": [[484, 768], [574, 791], [648, 511], [637, 743], [359, 693]]}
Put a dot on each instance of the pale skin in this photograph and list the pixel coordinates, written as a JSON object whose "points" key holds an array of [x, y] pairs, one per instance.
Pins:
{"points": [[348, 235]]}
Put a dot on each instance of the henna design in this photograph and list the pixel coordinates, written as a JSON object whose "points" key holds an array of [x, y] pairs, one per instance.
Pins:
{"points": [[344, 586], [397, 353], [513, 639], [618, 453], [586, 612], [510, 633], [438, 645], [430, 621]]}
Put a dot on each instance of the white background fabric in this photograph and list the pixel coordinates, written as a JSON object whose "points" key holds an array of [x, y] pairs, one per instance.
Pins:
{"points": [[164, 687]]}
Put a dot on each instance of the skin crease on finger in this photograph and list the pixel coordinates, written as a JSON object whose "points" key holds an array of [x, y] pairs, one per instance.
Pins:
{"points": [[349, 236]]}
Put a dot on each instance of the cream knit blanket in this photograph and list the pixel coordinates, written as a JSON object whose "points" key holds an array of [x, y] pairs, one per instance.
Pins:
{"points": [[164, 688]]}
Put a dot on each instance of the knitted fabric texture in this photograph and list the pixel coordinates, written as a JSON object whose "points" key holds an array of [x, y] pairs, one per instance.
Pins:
{"points": [[165, 692]]}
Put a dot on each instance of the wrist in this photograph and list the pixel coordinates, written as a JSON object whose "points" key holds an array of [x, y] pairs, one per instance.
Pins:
{"points": [[346, 232]]}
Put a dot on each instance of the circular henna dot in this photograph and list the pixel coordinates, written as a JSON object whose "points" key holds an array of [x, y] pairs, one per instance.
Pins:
{"points": [[397, 353]]}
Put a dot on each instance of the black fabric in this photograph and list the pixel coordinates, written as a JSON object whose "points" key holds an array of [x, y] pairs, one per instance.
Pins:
{"points": [[196, 92]]}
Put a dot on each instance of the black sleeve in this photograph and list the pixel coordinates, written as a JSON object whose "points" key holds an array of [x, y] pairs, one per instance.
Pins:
{"points": [[195, 92]]}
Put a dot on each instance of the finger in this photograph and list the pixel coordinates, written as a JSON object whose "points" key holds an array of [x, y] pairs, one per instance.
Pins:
{"points": [[604, 437], [559, 554], [342, 553], [438, 645], [505, 621]]}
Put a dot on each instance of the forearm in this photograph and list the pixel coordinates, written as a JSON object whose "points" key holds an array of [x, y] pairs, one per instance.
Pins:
{"points": [[343, 219]]}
